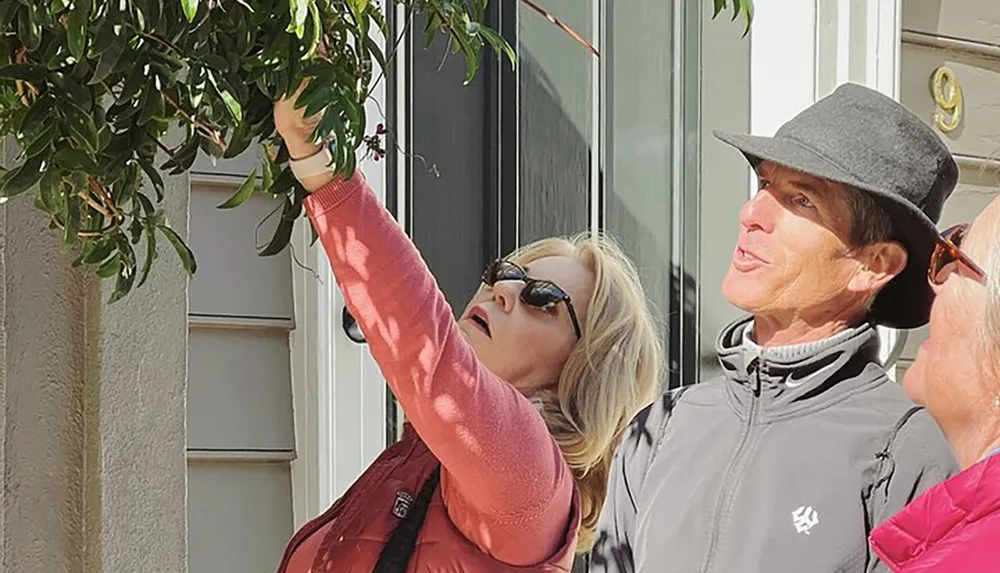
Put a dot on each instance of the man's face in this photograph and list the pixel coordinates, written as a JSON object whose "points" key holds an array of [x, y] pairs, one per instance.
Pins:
{"points": [[793, 260]]}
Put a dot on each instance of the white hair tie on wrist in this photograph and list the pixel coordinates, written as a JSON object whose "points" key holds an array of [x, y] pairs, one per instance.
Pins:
{"points": [[315, 164]]}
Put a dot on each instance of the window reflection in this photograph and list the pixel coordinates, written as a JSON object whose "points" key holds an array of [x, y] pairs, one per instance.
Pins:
{"points": [[556, 125]]}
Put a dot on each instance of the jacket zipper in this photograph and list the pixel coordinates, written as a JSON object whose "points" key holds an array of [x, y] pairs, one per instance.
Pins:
{"points": [[725, 495]]}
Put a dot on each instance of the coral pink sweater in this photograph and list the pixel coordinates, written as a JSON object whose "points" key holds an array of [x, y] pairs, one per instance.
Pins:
{"points": [[506, 492]]}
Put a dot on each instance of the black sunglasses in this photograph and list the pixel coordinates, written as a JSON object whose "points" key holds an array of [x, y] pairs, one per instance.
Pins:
{"points": [[536, 293]]}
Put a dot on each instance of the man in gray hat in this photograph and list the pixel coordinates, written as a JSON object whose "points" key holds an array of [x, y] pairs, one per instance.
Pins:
{"points": [[787, 461]]}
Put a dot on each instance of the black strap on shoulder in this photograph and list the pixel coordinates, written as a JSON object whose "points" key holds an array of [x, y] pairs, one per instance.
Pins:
{"points": [[396, 553]]}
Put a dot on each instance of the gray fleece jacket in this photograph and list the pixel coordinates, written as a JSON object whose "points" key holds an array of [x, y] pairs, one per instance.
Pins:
{"points": [[783, 464]]}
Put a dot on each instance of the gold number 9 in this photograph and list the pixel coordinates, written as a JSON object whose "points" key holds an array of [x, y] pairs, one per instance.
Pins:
{"points": [[948, 97]]}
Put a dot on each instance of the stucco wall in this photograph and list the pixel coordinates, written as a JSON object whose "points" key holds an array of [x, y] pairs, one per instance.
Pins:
{"points": [[92, 407]]}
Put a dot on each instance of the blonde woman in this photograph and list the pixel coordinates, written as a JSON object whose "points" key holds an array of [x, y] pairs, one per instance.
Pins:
{"points": [[513, 410]]}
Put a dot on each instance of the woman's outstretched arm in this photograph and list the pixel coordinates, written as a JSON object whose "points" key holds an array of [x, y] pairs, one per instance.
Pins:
{"points": [[492, 443]]}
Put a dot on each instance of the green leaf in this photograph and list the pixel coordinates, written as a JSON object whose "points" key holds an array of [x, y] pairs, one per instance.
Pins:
{"points": [[376, 53], [316, 32], [125, 279], [267, 174], [154, 178], [25, 72], [151, 254], [42, 142], [37, 114], [151, 12], [184, 155], [134, 81], [107, 61], [22, 178], [215, 61], [76, 27], [376, 15], [190, 9], [185, 254], [243, 193], [110, 268], [209, 146], [29, 27], [299, 10], [239, 141], [101, 251], [152, 102], [7, 11], [280, 239], [283, 182], [81, 125], [747, 6], [48, 191], [88, 247], [75, 160], [127, 184], [135, 230], [147, 205], [105, 36], [232, 105], [471, 53], [71, 215], [72, 90], [499, 45]]}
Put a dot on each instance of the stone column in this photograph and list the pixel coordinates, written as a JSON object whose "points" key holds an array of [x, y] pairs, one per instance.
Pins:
{"points": [[92, 406]]}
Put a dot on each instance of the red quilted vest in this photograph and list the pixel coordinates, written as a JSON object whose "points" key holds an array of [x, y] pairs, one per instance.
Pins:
{"points": [[349, 536]]}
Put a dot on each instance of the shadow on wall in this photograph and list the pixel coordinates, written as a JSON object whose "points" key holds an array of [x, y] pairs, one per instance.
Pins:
{"points": [[555, 154]]}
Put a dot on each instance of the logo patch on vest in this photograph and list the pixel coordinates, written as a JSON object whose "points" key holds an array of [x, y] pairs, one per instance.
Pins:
{"points": [[402, 505]]}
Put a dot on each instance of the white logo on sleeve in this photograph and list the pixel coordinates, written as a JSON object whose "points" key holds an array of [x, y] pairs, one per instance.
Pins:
{"points": [[804, 519]]}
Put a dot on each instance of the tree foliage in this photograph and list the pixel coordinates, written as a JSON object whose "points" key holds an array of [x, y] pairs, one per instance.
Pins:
{"points": [[102, 96]]}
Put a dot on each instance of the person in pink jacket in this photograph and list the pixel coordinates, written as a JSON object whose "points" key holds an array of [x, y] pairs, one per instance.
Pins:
{"points": [[955, 525], [513, 410]]}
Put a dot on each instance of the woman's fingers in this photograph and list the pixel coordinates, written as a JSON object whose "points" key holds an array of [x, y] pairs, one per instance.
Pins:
{"points": [[294, 127]]}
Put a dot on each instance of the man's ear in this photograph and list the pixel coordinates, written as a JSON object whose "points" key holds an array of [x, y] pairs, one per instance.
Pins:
{"points": [[881, 262]]}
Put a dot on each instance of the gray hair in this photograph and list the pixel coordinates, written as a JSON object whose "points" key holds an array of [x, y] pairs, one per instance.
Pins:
{"points": [[990, 326]]}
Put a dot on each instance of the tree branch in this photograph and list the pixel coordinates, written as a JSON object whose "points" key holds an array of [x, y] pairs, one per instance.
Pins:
{"points": [[206, 129], [102, 193]]}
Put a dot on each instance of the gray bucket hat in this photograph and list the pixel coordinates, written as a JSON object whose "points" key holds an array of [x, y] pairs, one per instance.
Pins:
{"points": [[862, 138]]}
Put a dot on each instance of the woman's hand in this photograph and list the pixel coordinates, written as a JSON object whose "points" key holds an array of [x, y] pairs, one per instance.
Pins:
{"points": [[294, 128], [297, 131]]}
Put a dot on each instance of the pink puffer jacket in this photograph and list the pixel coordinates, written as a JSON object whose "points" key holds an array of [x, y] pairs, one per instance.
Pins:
{"points": [[954, 527]]}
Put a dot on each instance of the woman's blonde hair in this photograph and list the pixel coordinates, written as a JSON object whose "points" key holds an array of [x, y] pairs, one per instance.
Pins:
{"points": [[612, 373]]}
